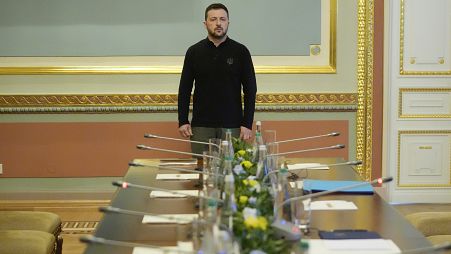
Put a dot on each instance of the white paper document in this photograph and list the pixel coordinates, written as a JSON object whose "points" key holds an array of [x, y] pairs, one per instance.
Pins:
{"points": [[169, 218], [297, 184], [179, 194], [177, 176], [307, 166], [353, 246], [181, 248], [332, 205]]}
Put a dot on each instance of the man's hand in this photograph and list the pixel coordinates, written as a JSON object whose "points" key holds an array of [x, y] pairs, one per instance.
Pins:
{"points": [[245, 133], [185, 130]]}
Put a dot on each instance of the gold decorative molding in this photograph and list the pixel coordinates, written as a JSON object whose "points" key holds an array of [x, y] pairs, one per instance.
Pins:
{"points": [[365, 41], [420, 90], [320, 99], [93, 100], [412, 59], [165, 102], [419, 132]]}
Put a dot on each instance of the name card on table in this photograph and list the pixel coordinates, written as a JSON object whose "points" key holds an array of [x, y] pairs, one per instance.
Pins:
{"points": [[332, 205], [182, 247], [169, 218], [354, 246], [179, 194], [177, 176]]}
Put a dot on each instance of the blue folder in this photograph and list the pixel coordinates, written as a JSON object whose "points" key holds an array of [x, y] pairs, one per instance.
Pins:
{"points": [[325, 185]]}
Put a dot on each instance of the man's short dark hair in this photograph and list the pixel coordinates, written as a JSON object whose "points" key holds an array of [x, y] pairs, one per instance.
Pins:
{"points": [[216, 6]]}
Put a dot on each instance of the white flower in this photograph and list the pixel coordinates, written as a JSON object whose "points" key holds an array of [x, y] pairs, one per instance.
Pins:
{"points": [[238, 169], [249, 212]]}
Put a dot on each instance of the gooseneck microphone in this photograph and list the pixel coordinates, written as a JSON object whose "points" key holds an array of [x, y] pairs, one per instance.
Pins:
{"points": [[125, 185], [148, 135], [144, 147], [332, 134], [339, 146], [110, 209], [351, 163], [136, 164], [289, 231], [98, 240], [347, 187]]}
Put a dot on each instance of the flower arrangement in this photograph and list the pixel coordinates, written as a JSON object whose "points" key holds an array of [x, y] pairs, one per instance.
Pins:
{"points": [[251, 222]]}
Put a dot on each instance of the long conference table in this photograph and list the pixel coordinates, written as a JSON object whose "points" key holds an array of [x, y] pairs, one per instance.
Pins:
{"points": [[373, 213]]}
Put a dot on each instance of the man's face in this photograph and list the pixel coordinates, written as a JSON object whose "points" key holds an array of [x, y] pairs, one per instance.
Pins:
{"points": [[217, 23]]}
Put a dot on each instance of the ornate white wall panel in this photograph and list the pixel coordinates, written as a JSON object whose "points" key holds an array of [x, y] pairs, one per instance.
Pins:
{"points": [[424, 159], [425, 36], [424, 103], [417, 100]]}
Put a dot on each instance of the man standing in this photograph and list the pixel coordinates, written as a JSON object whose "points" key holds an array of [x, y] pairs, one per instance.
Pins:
{"points": [[221, 68]]}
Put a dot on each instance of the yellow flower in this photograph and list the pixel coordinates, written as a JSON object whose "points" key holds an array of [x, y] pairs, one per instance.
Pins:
{"points": [[251, 222], [246, 164], [262, 222], [241, 153], [252, 183], [259, 222], [243, 199], [246, 182]]}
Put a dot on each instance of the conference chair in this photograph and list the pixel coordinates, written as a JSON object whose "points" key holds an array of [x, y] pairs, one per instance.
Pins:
{"points": [[435, 226], [34, 221], [26, 242]]}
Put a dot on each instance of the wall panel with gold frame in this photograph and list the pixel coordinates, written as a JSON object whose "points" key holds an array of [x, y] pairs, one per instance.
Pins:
{"points": [[294, 94]]}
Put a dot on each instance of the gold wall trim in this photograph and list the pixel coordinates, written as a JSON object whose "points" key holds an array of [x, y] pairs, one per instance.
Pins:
{"points": [[417, 132], [420, 90], [112, 103], [365, 49], [55, 70], [175, 69], [401, 50]]}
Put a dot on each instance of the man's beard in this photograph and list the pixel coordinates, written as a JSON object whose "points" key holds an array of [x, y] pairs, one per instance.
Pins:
{"points": [[214, 35]]}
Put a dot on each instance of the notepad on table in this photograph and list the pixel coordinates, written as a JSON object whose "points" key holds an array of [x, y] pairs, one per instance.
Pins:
{"points": [[325, 185], [169, 218], [179, 194], [177, 176]]}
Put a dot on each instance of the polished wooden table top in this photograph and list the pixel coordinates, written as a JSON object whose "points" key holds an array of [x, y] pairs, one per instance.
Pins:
{"points": [[373, 212]]}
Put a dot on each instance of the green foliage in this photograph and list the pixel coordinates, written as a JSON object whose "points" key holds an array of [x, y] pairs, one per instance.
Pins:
{"points": [[250, 194]]}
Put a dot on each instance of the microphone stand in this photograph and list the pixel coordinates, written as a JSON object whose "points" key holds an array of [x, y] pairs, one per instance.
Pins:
{"points": [[111, 209], [126, 185], [332, 134], [339, 146], [352, 163], [98, 240], [314, 195], [136, 164], [178, 139], [144, 147]]}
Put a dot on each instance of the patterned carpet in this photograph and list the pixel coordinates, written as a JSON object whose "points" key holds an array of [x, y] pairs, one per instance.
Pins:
{"points": [[79, 227]]}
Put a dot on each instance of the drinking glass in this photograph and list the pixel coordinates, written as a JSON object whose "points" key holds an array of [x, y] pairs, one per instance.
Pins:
{"points": [[269, 136], [301, 212], [185, 236]]}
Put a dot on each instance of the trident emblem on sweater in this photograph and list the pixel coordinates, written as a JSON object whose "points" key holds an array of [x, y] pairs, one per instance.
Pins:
{"points": [[230, 60]]}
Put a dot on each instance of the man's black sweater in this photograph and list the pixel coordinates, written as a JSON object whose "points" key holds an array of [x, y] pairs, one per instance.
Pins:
{"points": [[219, 73]]}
